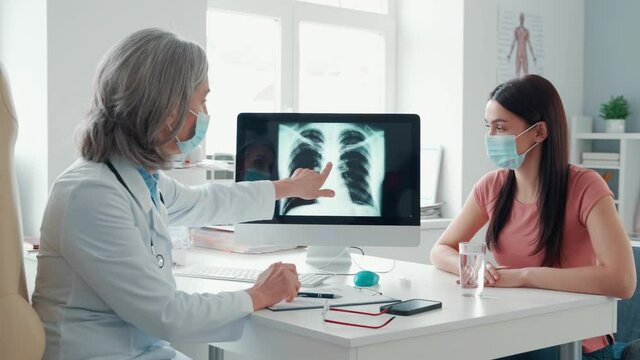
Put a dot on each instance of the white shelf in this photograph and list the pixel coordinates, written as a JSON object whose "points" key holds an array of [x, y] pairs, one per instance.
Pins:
{"points": [[626, 182], [603, 167], [607, 136], [204, 164], [434, 224]]}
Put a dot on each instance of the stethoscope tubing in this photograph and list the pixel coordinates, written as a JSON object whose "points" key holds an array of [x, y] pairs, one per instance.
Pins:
{"points": [[115, 172]]}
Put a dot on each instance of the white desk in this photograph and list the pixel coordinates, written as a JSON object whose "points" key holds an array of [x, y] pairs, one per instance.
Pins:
{"points": [[502, 322]]}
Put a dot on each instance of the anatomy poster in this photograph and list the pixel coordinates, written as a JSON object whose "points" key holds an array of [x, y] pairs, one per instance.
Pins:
{"points": [[520, 44], [357, 152]]}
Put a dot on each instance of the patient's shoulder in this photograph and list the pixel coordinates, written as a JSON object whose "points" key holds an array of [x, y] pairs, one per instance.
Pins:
{"points": [[486, 189], [492, 180]]}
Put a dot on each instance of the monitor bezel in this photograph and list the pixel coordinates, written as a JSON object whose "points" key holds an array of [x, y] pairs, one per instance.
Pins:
{"points": [[366, 118]]}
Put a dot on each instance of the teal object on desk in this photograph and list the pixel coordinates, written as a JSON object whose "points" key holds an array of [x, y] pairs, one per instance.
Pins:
{"points": [[366, 278]]}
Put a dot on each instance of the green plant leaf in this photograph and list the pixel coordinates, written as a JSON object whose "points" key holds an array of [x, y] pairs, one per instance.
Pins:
{"points": [[616, 108]]}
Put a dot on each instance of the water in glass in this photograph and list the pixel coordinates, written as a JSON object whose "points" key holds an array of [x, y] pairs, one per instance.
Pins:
{"points": [[471, 273]]}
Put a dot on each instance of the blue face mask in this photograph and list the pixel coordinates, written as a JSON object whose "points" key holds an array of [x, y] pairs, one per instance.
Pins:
{"points": [[255, 175], [502, 149], [202, 124]]}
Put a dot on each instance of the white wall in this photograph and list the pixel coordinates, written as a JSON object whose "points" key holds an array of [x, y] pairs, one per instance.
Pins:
{"points": [[429, 82], [447, 67], [611, 58], [51, 50], [23, 51], [80, 32]]}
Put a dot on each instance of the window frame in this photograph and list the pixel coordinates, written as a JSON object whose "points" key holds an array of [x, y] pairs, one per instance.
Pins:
{"points": [[292, 12]]}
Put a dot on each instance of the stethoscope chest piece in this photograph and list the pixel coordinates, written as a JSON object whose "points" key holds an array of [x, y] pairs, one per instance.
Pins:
{"points": [[160, 260], [159, 257]]}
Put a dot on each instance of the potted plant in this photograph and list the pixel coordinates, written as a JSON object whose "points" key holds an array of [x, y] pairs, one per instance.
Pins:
{"points": [[615, 112]]}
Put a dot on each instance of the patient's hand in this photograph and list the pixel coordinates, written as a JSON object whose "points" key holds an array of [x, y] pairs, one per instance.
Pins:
{"points": [[491, 274], [503, 276], [469, 277]]}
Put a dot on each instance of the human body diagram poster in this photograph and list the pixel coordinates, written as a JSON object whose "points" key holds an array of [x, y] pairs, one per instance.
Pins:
{"points": [[520, 44]]}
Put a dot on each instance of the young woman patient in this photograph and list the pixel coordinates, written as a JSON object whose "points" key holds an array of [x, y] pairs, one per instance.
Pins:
{"points": [[551, 225]]}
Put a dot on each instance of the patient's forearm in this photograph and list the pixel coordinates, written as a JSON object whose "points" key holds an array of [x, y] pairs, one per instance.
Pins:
{"points": [[588, 279], [446, 258]]}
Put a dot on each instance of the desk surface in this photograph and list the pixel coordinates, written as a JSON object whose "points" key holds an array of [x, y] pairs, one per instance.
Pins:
{"points": [[501, 322]]}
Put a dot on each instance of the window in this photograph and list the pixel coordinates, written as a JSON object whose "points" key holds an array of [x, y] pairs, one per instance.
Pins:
{"points": [[377, 6], [341, 69], [291, 55], [244, 72]]}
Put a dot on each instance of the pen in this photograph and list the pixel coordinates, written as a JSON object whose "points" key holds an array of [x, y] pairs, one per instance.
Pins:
{"points": [[318, 295]]}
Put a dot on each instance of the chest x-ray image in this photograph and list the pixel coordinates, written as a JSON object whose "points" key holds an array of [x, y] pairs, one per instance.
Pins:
{"points": [[358, 155]]}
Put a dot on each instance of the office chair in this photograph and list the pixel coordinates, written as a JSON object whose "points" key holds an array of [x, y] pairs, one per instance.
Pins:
{"points": [[629, 320], [21, 331]]}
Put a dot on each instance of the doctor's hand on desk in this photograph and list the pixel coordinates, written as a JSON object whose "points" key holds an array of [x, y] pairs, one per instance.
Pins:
{"points": [[279, 282], [304, 183]]}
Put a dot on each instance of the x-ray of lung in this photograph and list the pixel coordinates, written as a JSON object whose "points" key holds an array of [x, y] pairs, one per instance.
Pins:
{"points": [[358, 156]]}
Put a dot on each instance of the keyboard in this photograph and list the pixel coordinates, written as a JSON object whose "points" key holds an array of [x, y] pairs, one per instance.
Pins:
{"points": [[242, 275]]}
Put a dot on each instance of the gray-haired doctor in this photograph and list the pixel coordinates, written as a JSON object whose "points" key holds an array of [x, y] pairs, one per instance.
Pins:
{"points": [[104, 287]]}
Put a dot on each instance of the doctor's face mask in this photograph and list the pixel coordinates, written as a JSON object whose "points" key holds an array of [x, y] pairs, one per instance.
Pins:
{"points": [[202, 124]]}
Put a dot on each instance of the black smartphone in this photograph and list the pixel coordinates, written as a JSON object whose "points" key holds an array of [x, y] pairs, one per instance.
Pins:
{"points": [[410, 307]]}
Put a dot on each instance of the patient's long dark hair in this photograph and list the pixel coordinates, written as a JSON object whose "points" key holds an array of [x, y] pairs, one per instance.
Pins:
{"points": [[534, 99]]}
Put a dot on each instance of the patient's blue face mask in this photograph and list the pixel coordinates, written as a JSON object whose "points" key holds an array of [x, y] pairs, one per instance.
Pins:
{"points": [[502, 149], [202, 124]]}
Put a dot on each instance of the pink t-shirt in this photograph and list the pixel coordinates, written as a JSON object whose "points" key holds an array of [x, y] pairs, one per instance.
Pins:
{"points": [[519, 235]]}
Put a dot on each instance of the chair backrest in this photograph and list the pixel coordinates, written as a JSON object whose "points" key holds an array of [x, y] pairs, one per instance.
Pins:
{"points": [[21, 332], [629, 310]]}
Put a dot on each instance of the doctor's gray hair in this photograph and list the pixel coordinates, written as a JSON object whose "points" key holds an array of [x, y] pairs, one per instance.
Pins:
{"points": [[146, 77]]}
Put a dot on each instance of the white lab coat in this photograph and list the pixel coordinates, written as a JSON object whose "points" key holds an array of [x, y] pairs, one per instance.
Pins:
{"points": [[99, 290]]}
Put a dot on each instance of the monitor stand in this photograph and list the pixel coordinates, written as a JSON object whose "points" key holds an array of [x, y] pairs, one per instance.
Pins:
{"points": [[329, 258]]}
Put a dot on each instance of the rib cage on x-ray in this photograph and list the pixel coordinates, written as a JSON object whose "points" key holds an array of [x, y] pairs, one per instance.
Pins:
{"points": [[357, 153], [306, 154], [354, 166]]}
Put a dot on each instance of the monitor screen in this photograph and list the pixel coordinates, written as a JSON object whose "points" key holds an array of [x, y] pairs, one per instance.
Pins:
{"points": [[376, 171], [376, 164]]}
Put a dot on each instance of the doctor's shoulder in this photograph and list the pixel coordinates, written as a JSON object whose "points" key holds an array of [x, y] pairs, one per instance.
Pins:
{"points": [[87, 177]]}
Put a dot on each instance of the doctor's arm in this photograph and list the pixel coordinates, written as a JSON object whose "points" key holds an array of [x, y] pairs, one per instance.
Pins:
{"points": [[444, 254], [106, 249], [232, 203]]}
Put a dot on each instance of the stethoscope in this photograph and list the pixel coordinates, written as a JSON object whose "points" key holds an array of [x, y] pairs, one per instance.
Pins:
{"points": [[115, 172]]}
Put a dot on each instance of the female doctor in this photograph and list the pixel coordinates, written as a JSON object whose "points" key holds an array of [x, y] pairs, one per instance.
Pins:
{"points": [[104, 287]]}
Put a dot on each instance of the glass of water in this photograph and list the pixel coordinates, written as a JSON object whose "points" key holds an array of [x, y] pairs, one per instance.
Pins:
{"points": [[472, 268]]}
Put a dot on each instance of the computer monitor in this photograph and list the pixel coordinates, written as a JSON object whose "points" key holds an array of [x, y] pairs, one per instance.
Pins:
{"points": [[376, 172]]}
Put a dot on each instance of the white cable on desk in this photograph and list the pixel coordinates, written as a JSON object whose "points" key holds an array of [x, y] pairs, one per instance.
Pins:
{"points": [[377, 272], [354, 261], [331, 262]]}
